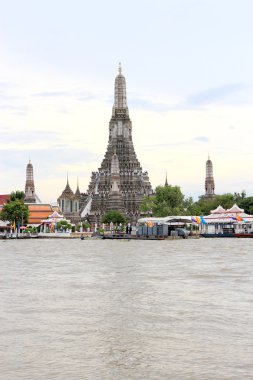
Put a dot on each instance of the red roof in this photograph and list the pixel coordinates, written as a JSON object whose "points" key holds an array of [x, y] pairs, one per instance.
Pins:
{"points": [[4, 198]]}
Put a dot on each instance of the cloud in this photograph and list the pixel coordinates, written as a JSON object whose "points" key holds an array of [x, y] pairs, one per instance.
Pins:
{"points": [[6, 85], [221, 94], [86, 96], [203, 139], [214, 95], [51, 94], [144, 104], [26, 137]]}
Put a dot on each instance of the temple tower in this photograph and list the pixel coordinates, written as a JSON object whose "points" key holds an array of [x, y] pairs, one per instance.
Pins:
{"points": [[69, 203], [119, 184], [209, 181], [30, 196]]}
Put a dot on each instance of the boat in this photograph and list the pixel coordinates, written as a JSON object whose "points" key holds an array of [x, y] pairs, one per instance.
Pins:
{"points": [[19, 236], [219, 235], [132, 237], [244, 235]]}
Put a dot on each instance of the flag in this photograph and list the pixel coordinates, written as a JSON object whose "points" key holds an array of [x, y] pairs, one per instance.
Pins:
{"points": [[202, 220], [239, 218], [194, 220], [198, 219]]}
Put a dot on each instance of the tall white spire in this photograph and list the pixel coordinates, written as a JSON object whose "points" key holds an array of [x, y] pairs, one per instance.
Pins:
{"points": [[209, 181], [120, 98], [30, 196]]}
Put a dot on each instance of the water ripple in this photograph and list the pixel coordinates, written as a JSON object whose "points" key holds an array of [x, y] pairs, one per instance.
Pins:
{"points": [[72, 309]]}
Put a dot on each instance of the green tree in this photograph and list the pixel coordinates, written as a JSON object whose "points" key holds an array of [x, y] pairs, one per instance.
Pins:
{"points": [[147, 204], [246, 204], [15, 212], [115, 217], [191, 207], [206, 205], [239, 196], [18, 194], [168, 200], [64, 225]]}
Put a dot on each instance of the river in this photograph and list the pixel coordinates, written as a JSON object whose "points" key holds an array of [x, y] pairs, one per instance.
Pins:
{"points": [[126, 310]]}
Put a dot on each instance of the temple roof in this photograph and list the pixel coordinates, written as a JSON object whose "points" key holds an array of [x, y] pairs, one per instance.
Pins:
{"points": [[56, 215], [38, 211], [67, 192], [218, 210], [78, 193], [232, 215], [235, 209]]}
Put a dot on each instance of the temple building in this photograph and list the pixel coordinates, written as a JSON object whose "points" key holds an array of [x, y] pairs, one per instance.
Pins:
{"points": [[209, 181], [37, 212], [69, 203], [120, 183]]}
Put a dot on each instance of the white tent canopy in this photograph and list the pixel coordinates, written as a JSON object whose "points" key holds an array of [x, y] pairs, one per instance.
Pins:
{"points": [[166, 219]]}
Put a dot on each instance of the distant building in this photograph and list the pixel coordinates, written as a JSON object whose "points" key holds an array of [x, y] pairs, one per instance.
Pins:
{"points": [[209, 181], [69, 203], [120, 183]]}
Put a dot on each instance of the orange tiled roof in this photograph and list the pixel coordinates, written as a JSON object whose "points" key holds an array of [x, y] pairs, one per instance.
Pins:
{"points": [[39, 212], [40, 207]]}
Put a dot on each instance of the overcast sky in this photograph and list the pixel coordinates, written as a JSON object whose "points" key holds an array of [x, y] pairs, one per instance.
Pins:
{"points": [[189, 72]]}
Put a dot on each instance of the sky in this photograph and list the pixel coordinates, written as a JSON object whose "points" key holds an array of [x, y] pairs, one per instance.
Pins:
{"points": [[188, 69]]}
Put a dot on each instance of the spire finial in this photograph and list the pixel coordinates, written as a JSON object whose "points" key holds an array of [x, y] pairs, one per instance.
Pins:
{"points": [[120, 99], [120, 68], [166, 180], [67, 178]]}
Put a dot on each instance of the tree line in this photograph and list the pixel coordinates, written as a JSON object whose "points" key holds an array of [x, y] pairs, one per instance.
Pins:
{"points": [[169, 200]]}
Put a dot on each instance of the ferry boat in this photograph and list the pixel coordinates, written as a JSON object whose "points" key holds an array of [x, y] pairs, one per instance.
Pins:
{"points": [[221, 223], [218, 235], [244, 235], [132, 237]]}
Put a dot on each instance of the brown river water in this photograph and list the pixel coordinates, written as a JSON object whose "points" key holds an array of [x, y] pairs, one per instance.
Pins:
{"points": [[122, 310]]}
